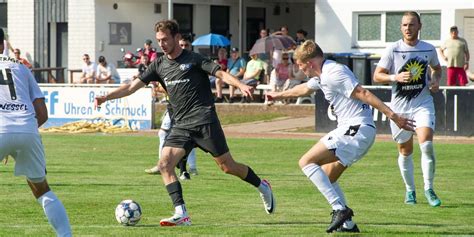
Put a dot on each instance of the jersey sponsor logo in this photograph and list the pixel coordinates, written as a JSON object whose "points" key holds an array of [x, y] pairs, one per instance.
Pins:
{"points": [[172, 83], [418, 67], [185, 67], [13, 107]]}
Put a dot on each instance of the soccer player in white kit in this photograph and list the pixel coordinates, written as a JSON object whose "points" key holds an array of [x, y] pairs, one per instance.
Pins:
{"points": [[325, 162], [406, 65], [22, 111]]}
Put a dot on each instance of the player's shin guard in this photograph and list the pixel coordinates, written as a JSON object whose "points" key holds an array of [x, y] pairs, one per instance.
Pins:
{"points": [[322, 182], [176, 193], [428, 163], [252, 178], [56, 213], [406, 169]]}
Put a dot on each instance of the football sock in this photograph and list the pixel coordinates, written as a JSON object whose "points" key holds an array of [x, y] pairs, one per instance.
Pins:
{"points": [[321, 181], [56, 213], [192, 159], [181, 210], [176, 193], [428, 163], [252, 178], [162, 135], [348, 224], [182, 165], [406, 169]]}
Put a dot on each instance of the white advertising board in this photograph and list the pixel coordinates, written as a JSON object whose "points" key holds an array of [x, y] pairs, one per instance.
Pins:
{"points": [[69, 103]]}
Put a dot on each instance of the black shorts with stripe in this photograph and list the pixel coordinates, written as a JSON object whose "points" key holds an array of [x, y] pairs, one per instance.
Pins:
{"points": [[209, 137]]}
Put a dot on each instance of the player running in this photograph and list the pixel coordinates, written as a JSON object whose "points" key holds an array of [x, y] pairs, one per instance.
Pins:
{"points": [[184, 75], [325, 162], [405, 65], [22, 111]]}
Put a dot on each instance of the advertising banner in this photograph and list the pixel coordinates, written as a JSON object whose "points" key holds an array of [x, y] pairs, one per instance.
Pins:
{"points": [[68, 103]]}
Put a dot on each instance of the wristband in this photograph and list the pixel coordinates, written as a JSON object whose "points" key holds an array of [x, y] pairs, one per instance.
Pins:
{"points": [[392, 78]]}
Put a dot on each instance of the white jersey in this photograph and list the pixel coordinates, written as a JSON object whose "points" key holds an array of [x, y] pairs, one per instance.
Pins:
{"points": [[337, 83], [400, 57], [18, 90]]}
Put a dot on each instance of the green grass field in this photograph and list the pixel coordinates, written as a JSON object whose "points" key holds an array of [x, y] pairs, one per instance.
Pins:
{"points": [[91, 174]]}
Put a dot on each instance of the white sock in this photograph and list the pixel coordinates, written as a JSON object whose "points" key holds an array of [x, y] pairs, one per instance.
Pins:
{"points": [[428, 163], [321, 181], [406, 169], [162, 135], [56, 214], [192, 159], [181, 210], [349, 224]]}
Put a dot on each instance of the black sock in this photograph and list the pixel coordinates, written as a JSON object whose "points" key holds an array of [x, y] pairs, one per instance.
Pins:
{"points": [[252, 178], [176, 193], [182, 165]]}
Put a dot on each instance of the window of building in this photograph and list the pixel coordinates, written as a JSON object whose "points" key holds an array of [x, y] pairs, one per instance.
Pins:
{"points": [[3, 15], [377, 29], [220, 20], [183, 13]]}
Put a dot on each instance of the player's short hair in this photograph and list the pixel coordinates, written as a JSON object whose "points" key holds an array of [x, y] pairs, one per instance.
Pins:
{"points": [[308, 50], [412, 13], [2, 35], [453, 29], [171, 25]]}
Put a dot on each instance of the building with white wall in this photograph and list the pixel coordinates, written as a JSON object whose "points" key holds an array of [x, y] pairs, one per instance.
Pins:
{"points": [[370, 25], [56, 33]]}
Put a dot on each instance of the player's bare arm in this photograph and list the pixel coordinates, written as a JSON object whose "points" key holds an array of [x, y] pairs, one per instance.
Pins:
{"points": [[122, 91], [435, 78], [366, 96], [297, 91], [41, 111], [381, 76], [246, 90]]}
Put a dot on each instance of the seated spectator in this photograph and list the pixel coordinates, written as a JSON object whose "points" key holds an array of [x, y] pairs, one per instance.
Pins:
{"points": [[185, 43], [254, 72], [236, 67], [222, 61], [106, 73], [279, 80], [144, 62], [23, 61], [296, 76], [88, 70]]}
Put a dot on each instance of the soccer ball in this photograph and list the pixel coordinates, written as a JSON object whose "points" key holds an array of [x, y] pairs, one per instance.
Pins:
{"points": [[128, 212]]}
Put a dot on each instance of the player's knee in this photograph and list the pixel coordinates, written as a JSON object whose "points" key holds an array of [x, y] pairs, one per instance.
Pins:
{"points": [[427, 148], [303, 162], [164, 165], [38, 186]]}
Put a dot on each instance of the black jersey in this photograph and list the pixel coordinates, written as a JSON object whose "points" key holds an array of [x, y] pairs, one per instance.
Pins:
{"points": [[186, 80]]}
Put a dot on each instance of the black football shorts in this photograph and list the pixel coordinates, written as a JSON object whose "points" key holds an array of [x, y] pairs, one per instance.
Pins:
{"points": [[209, 137]]}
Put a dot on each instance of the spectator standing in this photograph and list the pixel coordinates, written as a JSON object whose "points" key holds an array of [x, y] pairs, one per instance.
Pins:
{"points": [[7, 47], [24, 61], [19, 137], [88, 70], [406, 65], [301, 36], [106, 72], [196, 122], [456, 53]]}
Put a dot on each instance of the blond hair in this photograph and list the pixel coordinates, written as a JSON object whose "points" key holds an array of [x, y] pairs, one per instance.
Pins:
{"points": [[308, 50]]}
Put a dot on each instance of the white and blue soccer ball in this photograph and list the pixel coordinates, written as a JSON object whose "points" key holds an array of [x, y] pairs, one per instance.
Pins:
{"points": [[128, 212]]}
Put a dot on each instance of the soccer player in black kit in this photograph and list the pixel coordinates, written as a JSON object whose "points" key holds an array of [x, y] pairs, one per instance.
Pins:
{"points": [[185, 76]]}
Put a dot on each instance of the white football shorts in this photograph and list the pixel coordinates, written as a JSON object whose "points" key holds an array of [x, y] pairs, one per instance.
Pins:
{"points": [[424, 117], [350, 143], [166, 121], [28, 152]]}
